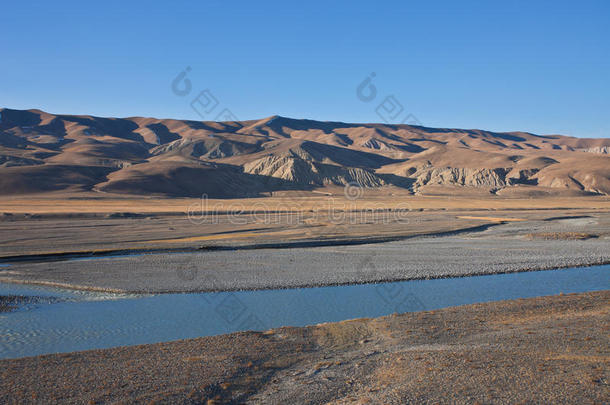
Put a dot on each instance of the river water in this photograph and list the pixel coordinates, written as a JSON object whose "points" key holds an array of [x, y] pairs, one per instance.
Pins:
{"points": [[64, 321]]}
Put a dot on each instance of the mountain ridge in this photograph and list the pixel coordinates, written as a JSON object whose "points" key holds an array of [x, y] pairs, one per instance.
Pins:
{"points": [[42, 152]]}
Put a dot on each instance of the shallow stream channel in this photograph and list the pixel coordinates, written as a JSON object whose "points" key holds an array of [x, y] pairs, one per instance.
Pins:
{"points": [[45, 320]]}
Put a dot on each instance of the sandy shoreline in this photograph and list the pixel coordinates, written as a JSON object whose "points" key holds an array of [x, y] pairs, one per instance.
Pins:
{"points": [[547, 349]]}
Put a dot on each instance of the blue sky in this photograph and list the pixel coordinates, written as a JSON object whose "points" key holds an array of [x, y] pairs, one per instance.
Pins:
{"points": [[536, 66]]}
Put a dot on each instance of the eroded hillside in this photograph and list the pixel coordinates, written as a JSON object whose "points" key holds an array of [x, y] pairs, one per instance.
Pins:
{"points": [[146, 156]]}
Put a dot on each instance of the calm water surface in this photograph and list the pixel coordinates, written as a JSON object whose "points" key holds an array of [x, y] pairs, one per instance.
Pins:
{"points": [[65, 321]]}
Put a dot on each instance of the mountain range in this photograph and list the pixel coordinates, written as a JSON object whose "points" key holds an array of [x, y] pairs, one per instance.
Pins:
{"points": [[43, 152]]}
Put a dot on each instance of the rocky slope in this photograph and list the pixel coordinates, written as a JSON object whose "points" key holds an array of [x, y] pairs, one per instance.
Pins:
{"points": [[42, 152]]}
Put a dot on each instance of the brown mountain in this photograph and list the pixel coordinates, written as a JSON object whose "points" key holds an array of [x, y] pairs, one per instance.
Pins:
{"points": [[42, 152]]}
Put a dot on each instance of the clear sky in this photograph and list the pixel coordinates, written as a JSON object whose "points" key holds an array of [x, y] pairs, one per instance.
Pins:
{"points": [[538, 66]]}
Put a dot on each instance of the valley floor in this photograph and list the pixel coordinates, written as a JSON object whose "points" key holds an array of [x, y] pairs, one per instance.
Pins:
{"points": [[546, 350]]}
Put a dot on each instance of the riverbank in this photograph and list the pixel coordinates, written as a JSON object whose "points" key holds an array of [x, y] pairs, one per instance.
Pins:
{"points": [[548, 349], [493, 251]]}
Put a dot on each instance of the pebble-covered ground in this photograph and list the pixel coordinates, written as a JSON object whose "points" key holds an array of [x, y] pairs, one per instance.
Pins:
{"points": [[511, 247]]}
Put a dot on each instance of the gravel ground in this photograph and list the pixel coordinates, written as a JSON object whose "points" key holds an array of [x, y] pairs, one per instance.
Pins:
{"points": [[11, 302], [256, 269], [503, 248], [539, 350]]}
